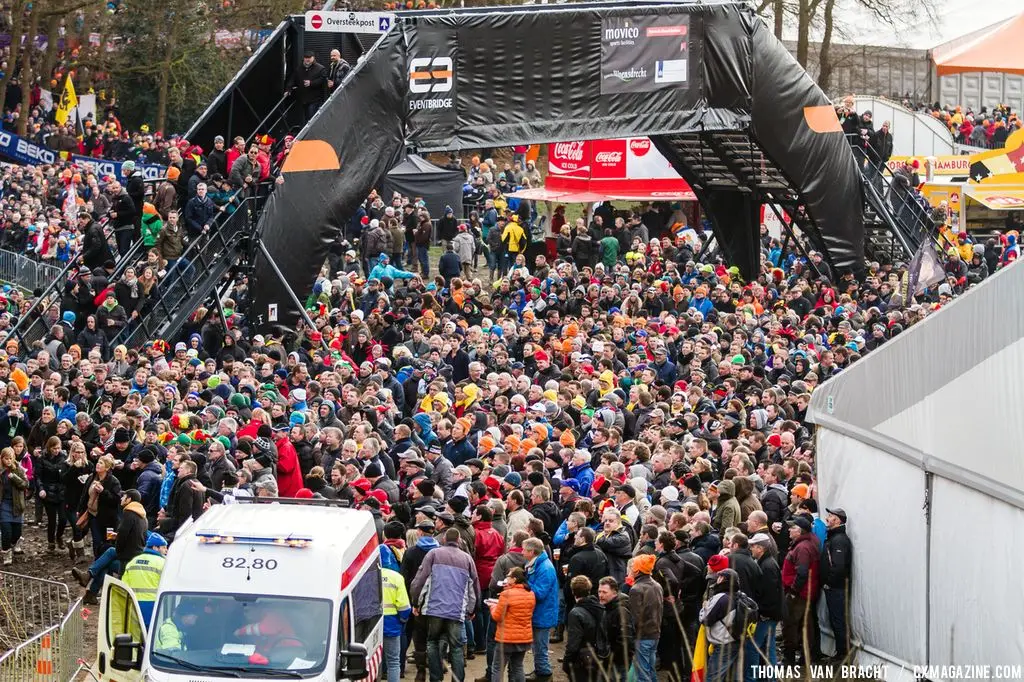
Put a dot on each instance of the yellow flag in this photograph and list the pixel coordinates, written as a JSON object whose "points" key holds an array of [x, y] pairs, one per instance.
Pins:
{"points": [[68, 101], [700, 656]]}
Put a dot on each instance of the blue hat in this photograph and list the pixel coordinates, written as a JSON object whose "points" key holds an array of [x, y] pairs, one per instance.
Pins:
{"points": [[571, 483], [384, 257], [513, 479], [155, 540], [296, 418], [68, 317]]}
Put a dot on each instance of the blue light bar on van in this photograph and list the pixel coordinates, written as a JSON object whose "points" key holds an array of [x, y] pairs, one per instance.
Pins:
{"points": [[219, 538]]}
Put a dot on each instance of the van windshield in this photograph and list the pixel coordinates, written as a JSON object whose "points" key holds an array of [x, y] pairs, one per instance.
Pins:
{"points": [[240, 633]]}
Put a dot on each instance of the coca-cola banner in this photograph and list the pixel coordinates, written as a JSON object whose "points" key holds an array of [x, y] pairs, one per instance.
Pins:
{"points": [[645, 53], [569, 160], [624, 166]]}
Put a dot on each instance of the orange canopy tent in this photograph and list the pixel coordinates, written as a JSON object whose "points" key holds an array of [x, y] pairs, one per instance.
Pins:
{"points": [[996, 49]]}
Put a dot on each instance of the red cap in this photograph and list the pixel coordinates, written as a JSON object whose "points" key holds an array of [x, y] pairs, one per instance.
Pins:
{"points": [[540, 356], [775, 440], [362, 484], [304, 494], [718, 563], [493, 485], [598, 483]]}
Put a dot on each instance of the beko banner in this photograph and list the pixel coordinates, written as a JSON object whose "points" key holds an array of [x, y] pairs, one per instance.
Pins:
{"points": [[431, 72], [644, 53]]}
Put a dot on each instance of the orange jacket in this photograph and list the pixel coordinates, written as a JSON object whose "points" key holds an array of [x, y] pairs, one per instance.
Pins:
{"points": [[514, 615]]}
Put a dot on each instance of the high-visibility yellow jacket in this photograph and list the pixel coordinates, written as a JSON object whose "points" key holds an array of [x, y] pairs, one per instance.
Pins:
{"points": [[396, 602], [142, 574]]}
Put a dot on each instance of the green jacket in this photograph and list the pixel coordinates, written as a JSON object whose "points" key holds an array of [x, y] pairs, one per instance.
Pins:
{"points": [[151, 226], [609, 251], [17, 479]]}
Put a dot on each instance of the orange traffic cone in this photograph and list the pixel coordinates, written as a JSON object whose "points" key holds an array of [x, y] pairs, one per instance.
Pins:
{"points": [[44, 664]]}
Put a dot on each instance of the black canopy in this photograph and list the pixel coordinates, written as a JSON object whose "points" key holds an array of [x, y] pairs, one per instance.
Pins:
{"points": [[417, 177]]}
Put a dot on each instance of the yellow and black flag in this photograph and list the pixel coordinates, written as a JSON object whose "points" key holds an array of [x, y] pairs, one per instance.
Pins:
{"points": [[68, 102]]}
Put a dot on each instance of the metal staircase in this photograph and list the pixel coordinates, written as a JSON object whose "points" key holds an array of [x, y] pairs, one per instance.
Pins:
{"points": [[194, 279], [896, 224]]}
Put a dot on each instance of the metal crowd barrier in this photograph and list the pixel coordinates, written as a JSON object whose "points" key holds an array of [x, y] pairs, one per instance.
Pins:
{"points": [[41, 630], [19, 270]]}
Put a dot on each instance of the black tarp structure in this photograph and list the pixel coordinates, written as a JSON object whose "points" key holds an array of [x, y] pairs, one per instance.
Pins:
{"points": [[722, 99], [417, 177]]}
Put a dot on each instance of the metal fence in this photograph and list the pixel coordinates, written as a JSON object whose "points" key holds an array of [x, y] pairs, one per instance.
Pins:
{"points": [[26, 273], [41, 630]]}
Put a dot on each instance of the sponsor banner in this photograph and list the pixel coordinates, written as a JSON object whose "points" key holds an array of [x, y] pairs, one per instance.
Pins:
{"points": [[622, 166], [644, 54], [431, 72], [943, 165], [569, 159], [102, 167], [20, 150], [349, 22]]}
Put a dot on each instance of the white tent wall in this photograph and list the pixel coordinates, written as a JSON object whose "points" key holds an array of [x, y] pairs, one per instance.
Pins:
{"points": [[884, 497], [938, 423], [976, 598]]}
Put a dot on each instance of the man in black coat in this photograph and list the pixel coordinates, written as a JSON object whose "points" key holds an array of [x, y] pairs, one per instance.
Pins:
{"points": [[836, 571], [309, 82], [586, 559], [618, 624], [743, 562], [771, 603], [122, 216], [185, 502], [94, 243], [670, 572]]}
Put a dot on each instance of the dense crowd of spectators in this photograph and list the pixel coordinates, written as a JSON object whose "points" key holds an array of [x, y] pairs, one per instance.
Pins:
{"points": [[609, 439]]}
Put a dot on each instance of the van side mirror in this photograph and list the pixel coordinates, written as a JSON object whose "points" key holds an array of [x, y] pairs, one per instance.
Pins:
{"points": [[352, 662], [127, 653]]}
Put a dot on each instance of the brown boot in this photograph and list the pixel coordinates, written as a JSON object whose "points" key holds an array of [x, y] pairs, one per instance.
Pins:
{"points": [[81, 576]]}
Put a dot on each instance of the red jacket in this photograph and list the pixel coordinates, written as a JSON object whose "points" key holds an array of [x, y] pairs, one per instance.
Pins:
{"points": [[801, 568], [289, 476], [489, 546]]}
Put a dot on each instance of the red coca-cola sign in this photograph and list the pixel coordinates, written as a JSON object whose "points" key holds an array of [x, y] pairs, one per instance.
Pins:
{"points": [[609, 158], [569, 159], [569, 151], [640, 145]]}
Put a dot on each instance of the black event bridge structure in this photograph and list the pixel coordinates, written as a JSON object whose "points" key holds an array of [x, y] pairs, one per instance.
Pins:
{"points": [[720, 97]]}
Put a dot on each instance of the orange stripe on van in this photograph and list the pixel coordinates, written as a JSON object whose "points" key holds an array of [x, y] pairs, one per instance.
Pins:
{"points": [[352, 571], [822, 119]]}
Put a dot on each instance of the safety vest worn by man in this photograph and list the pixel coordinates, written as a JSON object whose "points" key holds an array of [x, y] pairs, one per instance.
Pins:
{"points": [[142, 574], [395, 599]]}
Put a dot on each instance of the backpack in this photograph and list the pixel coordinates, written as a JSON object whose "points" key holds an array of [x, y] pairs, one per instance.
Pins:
{"points": [[744, 617]]}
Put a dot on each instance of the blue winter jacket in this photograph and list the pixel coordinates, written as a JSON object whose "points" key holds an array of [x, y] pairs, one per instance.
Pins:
{"points": [[543, 582], [148, 484], [585, 475]]}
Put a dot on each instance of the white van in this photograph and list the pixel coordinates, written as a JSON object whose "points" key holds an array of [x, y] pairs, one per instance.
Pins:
{"points": [[254, 591]]}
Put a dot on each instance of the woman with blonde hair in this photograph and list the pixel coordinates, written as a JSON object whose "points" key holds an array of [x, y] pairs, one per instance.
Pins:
{"points": [[13, 484], [77, 471], [100, 504]]}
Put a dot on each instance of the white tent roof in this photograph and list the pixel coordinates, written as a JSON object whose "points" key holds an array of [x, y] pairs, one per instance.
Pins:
{"points": [[946, 393], [914, 29]]}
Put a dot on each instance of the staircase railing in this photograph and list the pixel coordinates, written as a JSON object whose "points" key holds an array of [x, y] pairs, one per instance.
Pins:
{"points": [[898, 210], [206, 259]]}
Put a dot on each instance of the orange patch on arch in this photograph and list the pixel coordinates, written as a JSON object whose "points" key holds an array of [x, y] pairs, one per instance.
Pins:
{"points": [[822, 119], [310, 155]]}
